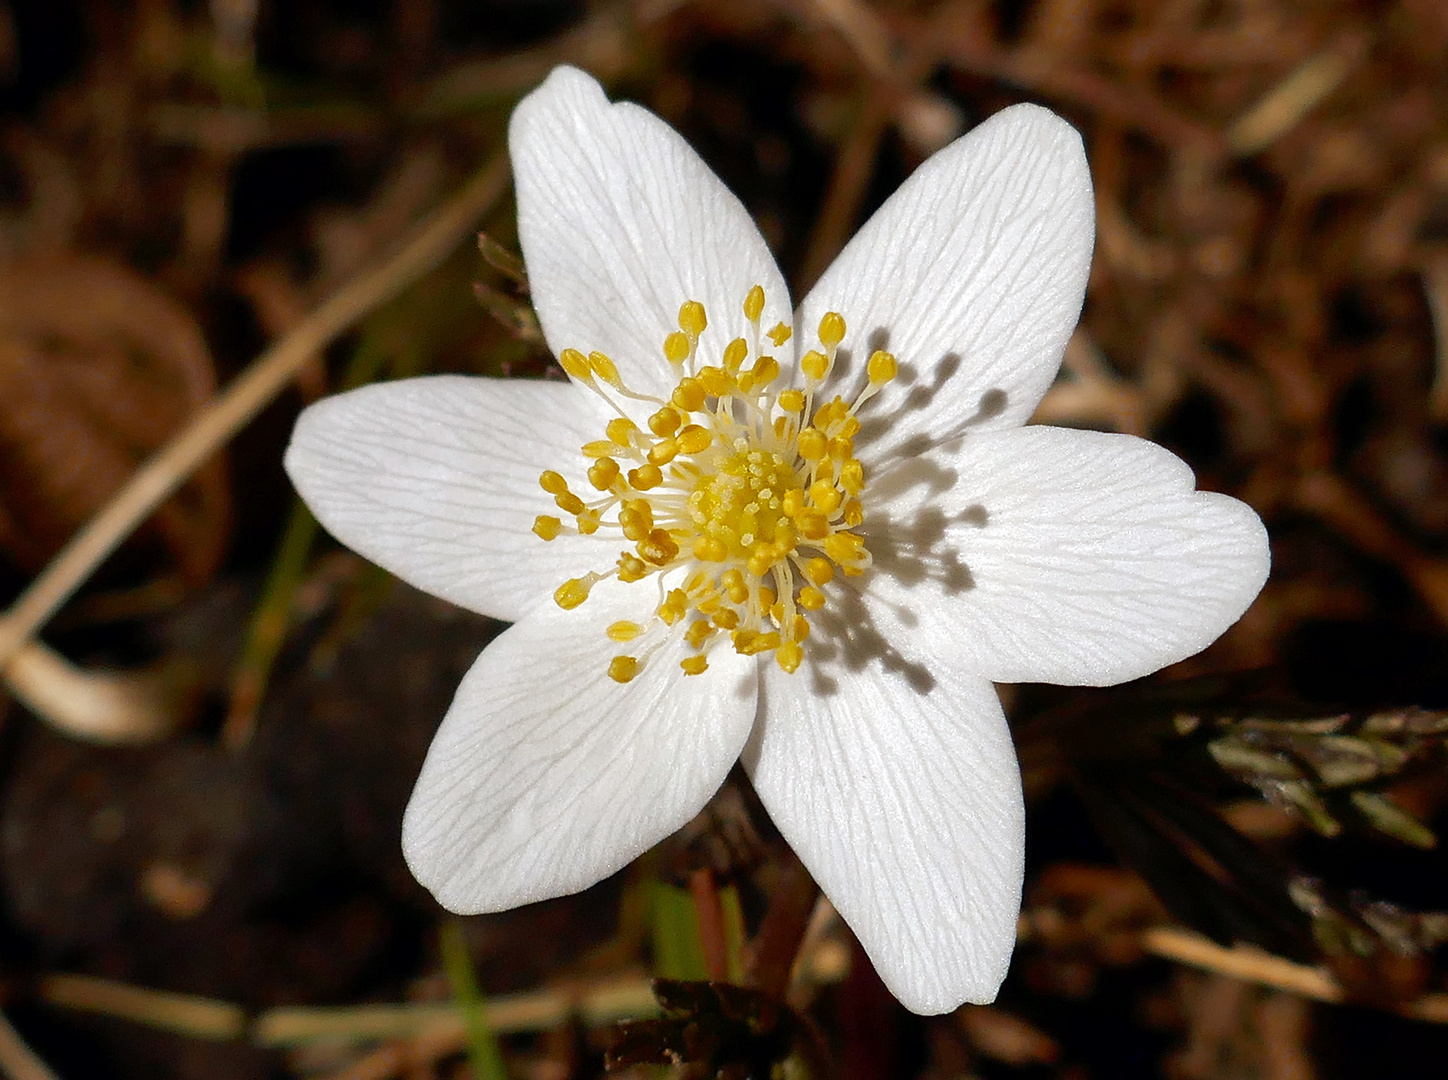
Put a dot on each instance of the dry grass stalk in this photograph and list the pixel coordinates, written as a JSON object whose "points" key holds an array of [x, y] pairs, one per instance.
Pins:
{"points": [[214, 424]]}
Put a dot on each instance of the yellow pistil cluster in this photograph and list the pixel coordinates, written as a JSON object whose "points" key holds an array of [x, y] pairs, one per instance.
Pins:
{"points": [[740, 497]]}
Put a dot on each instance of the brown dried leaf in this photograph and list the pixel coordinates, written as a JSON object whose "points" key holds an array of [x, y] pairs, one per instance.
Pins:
{"points": [[98, 368]]}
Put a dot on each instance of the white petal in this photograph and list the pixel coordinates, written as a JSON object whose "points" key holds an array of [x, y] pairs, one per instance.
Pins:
{"points": [[547, 776], [972, 274], [621, 223], [900, 793], [1048, 555], [436, 480]]}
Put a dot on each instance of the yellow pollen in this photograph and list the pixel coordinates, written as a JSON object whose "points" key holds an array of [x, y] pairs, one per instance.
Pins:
{"points": [[572, 592], [676, 347], [882, 367], [621, 431], [666, 421], [692, 319], [622, 669], [576, 365], [737, 501], [604, 368], [602, 473], [754, 303]]}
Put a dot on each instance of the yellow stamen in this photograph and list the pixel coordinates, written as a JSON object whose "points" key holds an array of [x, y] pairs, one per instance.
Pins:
{"points": [[622, 669], [832, 329], [692, 319], [733, 496]]}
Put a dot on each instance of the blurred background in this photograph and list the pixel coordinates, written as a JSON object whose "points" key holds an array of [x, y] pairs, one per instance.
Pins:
{"points": [[207, 734]]}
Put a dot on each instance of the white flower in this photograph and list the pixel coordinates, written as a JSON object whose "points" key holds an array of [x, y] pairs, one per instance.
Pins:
{"points": [[933, 544]]}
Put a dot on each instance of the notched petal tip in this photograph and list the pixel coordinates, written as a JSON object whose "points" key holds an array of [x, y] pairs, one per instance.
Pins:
{"points": [[973, 274], [567, 91], [621, 223]]}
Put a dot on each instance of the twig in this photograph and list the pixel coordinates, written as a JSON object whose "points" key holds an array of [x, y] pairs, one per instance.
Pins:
{"points": [[113, 708], [1243, 962], [1250, 964], [596, 1003], [1284, 106], [17, 1060], [711, 923], [185, 1014], [772, 953], [246, 396]]}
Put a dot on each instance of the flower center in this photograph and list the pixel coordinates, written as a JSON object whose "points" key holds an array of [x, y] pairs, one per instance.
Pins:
{"points": [[742, 505], [740, 498]]}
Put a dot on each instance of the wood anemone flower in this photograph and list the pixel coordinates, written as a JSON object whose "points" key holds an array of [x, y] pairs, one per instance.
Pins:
{"points": [[811, 538]]}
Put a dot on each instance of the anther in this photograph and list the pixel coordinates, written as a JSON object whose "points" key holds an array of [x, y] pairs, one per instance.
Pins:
{"points": [[605, 369], [689, 395], [553, 483], [812, 444], [882, 367], [754, 303], [674, 607], [677, 347], [789, 656], [645, 477], [602, 473], [622, 669], [780, 334], [547, 527], [824, 496], [666, 421], [766, 370], [576, 365], [694, 665], [734, 587], [624, 631], [716, 381], [832, 329], [815, 365], [734, 355], [820, 571], [694, 439], [692, 319], [658, 548], [621, 431], [573, 592]]}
